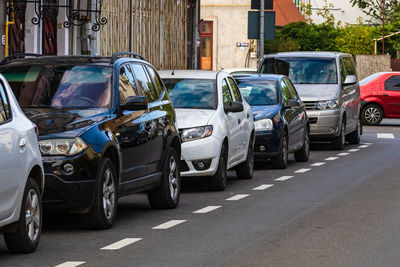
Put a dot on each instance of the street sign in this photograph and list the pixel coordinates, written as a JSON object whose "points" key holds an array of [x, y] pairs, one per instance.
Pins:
{"points": [[269, 4], [253, 25]]}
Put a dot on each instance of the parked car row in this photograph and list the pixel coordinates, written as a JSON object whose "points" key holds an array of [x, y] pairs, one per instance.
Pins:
{"points": [[108, 127]]}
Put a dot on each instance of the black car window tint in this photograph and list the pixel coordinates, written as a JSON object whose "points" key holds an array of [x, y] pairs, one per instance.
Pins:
{"points": [[126, 85], [393, 83], [226, 94], [156, 79], [285, 92], [292, 91], [144, 82], [235, 90], [4, 107]]}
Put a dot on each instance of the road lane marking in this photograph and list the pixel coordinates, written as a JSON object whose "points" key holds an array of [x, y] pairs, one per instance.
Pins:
{"points": [[207, 209], [237, 197], [367, 143], [363, 146], [122, 243], [317, 164], [71, 264], [332, 158], [168, 224], [353, 150], [385, 135], [283, 178], [302, 170], [343, 154], [263, 187]]}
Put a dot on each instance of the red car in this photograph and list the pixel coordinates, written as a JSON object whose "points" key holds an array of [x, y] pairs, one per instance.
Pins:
{"points": [[380, 95]]}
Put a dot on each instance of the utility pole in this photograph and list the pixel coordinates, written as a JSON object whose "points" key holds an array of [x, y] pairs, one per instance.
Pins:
{"points": [[383, 27], [261, 42]]}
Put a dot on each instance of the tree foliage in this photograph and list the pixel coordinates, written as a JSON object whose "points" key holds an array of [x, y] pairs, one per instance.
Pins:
{"points": [[356, 40], [374, 8]]}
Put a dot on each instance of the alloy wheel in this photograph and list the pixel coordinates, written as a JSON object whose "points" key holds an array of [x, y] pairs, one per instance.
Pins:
{"points": [[32, 215], [173, 178], [285, 150], [108, 194]]}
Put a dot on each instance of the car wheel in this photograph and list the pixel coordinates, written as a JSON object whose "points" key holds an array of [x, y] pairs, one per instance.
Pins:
{"points": [[338, 142], [166, 195], [281, 161], [245, 169], [372, 114], [217, 182], [304, 153], [355, 136], [27, 236], [102, 214]]}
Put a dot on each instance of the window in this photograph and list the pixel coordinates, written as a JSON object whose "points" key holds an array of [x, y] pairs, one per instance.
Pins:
{"points": [[259, 92], [285, 92], [126, 85], [156, 80], [349, 66], [292, 91], [226, 94], [5, 111], [393, 83], [144, 82], [235, 90]]}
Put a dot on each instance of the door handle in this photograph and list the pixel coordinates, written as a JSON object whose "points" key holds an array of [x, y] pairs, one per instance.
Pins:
{"points": [[22, 143], [248, 115], [239, 121], [385, 95]]}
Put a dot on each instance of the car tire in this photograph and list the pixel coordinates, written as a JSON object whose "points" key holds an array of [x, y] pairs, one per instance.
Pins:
{"points": [[167, 194], [372, 114], [245, 169], [304, 153], [217, 182], [27, 236], [281, 161], [104, 210], [338, 142], [354, 137]]}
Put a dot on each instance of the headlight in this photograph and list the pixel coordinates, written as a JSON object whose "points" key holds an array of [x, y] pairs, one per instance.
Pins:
{"points": [[196, 133], [263, 125], [62, 147], [330, 104]]}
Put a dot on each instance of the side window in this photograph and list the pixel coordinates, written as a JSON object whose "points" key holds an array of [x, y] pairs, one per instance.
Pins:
{"points": [[393, 83], [349, 66], [126, 84], [292, 91], [285, 92], [226, 94], [5, 110], [342, 70], [144, 82], [235, 90], [156, 79]]}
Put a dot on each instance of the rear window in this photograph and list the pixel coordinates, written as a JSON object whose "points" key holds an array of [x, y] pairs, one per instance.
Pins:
{"points": [[259, 92], [302, 70]]}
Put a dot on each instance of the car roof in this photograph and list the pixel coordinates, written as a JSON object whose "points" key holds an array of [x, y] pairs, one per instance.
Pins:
{"points": [[253, 77], [230, 70], [191, 74], [308, 54]]}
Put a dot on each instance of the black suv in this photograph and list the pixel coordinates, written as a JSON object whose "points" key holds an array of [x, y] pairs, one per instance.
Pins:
{"points": [[107, 129]]}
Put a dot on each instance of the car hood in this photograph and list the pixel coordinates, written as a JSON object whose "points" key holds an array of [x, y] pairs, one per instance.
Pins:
{"points": [[64, 123], [263, 112], [188, 118], [317, 92]]}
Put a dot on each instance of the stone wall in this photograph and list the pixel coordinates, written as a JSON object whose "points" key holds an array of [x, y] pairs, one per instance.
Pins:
{"points": [[370, 64]]}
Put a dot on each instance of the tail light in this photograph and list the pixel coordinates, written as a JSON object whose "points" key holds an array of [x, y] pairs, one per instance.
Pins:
{"points": [[36, 130]]}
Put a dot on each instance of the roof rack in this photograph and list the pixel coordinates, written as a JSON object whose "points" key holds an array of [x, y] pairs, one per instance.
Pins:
{"points": [[115, 56], [19, 55]]}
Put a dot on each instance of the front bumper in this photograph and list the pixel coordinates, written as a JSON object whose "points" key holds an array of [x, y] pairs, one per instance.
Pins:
{"points": [[268, 139], [324, 123], [202, 149]]}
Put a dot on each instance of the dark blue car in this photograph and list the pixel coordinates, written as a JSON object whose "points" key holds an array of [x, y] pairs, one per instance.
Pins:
{"points": [[280, 118]]}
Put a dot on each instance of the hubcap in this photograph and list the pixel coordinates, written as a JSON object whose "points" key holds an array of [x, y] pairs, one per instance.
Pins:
{"points": [[173, 178], [307, 142], [250, 157], [32, 215], [372, 115], [108, 194], [343, 134]]}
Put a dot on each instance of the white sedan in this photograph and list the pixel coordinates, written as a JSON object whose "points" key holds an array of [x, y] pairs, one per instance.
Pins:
{"points": [[21, 175], [215, 124]]}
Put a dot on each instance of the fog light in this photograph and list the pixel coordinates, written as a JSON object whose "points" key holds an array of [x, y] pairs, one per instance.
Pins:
{"points": [[202, 165], [262, 148], [68, 169], [332, 130]]}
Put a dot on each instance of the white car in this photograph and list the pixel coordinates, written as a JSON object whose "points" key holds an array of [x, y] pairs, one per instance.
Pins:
{"points": [[21, 175], [215, 124], [240, 71]]}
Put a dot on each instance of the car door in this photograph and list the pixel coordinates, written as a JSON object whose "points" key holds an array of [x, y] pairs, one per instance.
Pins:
{"points": [[391, 95], [13, 157], [132, 134], [288, 113], [351, 96]]}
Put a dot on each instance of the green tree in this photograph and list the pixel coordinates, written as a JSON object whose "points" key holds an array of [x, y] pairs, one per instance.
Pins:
{"points": [[356, 40], [374, 8]]}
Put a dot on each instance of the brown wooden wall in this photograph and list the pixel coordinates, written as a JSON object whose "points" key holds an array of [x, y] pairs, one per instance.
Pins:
{"points": [[146, 28]]}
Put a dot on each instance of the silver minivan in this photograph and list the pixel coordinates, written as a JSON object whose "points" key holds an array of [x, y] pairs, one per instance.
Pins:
{"points": [[327, 84]]}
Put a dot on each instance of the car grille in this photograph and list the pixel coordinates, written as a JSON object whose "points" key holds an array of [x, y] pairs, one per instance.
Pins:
{"points": [[310, 104]]}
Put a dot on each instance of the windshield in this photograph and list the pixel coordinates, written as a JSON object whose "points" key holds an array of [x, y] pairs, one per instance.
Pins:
{"points": [[60, 86], [303, 70], [192, 93], [258, 92], [369, 78]]}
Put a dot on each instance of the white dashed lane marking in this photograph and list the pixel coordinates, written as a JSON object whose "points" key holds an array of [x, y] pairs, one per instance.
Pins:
{"points": [[363, 146], [122, 243], [367, 143], [283, 178], [332, 158], [317, 164], [385, 135], [343, 154], [263, 187], [302, 170], [169, 224], [353, 150], [71, 264], [237, 197], [207, 209]]}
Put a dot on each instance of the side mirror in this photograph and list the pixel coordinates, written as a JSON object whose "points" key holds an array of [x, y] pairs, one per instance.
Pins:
{"points": [[292, 103], [135, 103], [350, 79], [234, 107]]}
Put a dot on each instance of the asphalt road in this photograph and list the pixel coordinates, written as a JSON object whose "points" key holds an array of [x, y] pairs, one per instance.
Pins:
{"points": [[338, 209]]}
